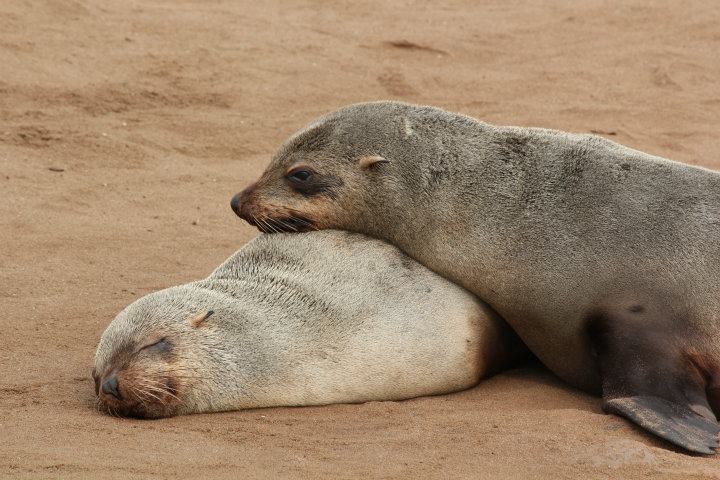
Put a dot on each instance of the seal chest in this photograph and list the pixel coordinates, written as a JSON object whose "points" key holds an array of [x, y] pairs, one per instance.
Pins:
{"points": [[290, 320]]}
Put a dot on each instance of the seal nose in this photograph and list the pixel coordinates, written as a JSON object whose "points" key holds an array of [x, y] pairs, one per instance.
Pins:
{"points": [[110, 387], [235, 204], [240, 203]]}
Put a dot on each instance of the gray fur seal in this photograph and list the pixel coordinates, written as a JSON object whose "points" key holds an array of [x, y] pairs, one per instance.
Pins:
{"points": [[605, 260], [290, 320]]}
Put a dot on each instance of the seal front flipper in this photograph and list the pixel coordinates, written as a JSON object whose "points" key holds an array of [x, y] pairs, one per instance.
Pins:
{"points": [[674, 422], [649, 379]]}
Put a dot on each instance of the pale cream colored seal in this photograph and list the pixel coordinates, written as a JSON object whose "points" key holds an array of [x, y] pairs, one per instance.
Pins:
{"points": [[320, 318]]}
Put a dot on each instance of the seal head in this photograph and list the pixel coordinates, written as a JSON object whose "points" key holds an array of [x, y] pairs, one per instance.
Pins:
{"points": [[319, 172], [150, 360]]}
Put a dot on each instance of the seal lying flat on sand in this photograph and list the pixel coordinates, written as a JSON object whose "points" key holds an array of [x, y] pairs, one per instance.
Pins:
{"points": [[327, 317], [605, 260]]}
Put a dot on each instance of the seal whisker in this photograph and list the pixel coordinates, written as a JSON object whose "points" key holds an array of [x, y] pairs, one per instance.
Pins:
{"points": [[304, 222], [157, 389], [270, 223], [311, 225], [160, 388], [167, 374], [156, 386], [185, 377], [265, 227], [139, 395], [288, 225], [274, 224], [255, 220], [170, 377], [175, 369], [154, 396]]}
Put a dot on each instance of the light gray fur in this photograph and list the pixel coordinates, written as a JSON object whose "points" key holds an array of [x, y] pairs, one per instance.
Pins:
{"points": [[318, 318], [540, 224]]}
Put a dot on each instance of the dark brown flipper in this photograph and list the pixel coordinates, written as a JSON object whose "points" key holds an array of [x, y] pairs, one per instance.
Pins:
{"points": [[648, 379], [674, 422]]}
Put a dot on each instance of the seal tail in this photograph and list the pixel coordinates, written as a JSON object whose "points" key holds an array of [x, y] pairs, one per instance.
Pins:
{"points": [[648, 379]]}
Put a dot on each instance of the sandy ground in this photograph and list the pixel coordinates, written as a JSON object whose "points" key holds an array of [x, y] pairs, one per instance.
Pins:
{"points": [[125, 128]]}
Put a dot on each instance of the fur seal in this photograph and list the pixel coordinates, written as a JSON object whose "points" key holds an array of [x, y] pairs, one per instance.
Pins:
{"points": [[605, 260], [290, 320]]}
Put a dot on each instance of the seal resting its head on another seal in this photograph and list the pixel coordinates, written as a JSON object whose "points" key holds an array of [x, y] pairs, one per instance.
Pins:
{"points": [[290, 320], [605, 260]]}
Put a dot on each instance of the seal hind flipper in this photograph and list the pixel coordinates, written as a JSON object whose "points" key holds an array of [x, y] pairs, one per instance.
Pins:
{"points": [[668, 420], [648, 379]]}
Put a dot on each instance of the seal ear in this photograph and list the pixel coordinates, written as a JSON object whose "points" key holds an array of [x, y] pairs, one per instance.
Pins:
{"points": [[199, 320], [369, 161]]}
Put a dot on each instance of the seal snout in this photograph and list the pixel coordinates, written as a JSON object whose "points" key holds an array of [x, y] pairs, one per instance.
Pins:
{"points": [[268, 218], [119, 395]]}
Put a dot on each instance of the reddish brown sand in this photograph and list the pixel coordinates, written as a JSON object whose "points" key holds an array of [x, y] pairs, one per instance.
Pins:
{"points": [[125, 128]]}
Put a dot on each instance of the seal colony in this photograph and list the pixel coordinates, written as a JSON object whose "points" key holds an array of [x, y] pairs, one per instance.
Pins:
{"points": [[290, 320], [605, 260]]}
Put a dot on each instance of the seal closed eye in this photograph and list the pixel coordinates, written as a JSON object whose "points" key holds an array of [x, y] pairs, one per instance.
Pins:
{"points": [[560, 233]]}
